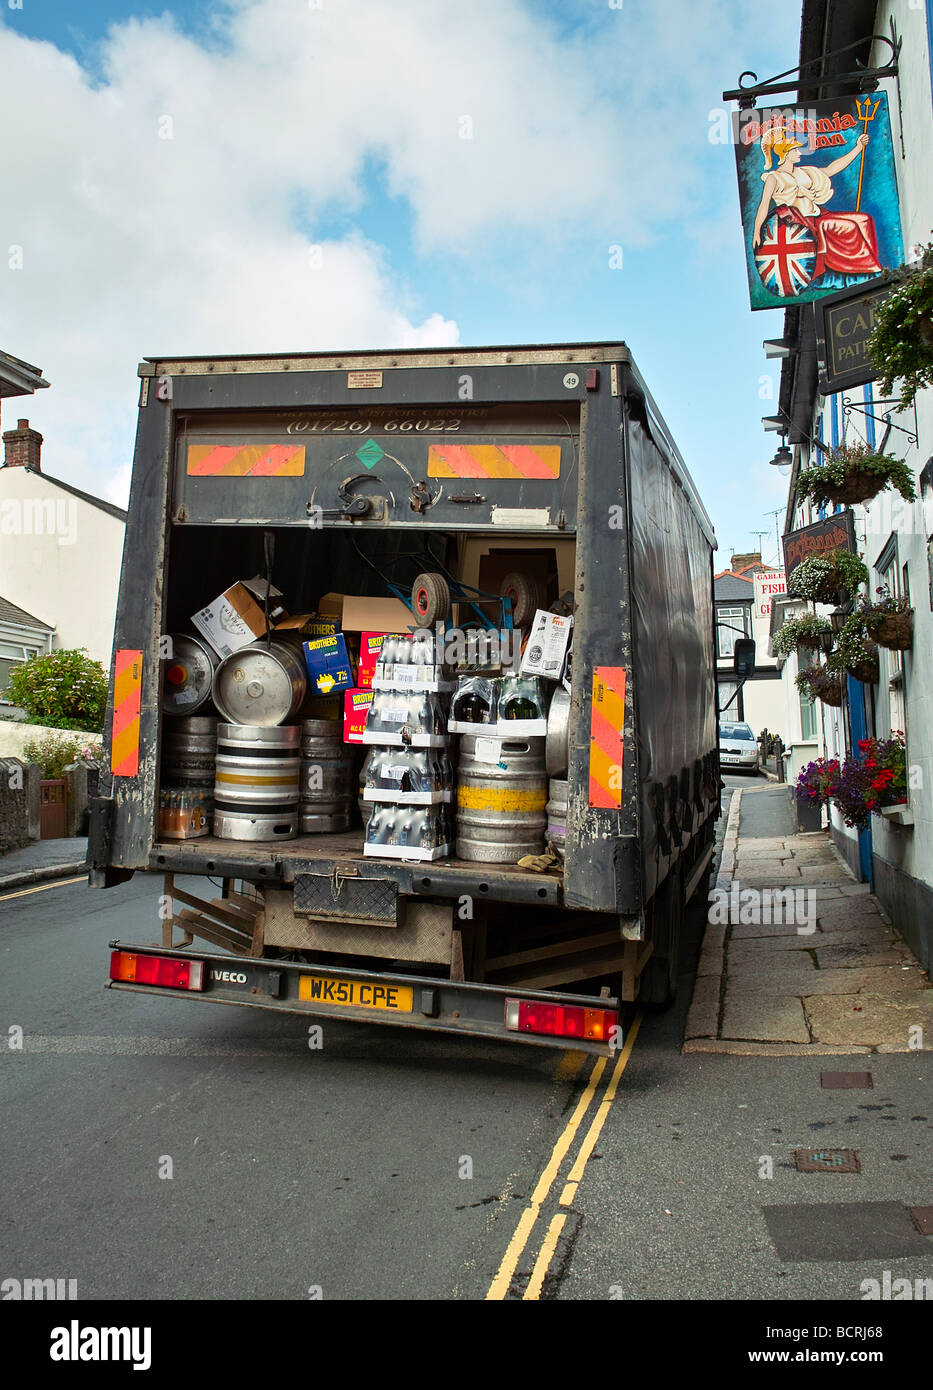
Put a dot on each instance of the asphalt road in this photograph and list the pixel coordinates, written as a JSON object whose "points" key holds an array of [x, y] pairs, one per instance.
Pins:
{"points": [[291, 1168], [391, 1166]]}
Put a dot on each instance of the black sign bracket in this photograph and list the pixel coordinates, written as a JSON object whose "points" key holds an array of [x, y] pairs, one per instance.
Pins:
{"points": [[865, 79], [884, 419]]}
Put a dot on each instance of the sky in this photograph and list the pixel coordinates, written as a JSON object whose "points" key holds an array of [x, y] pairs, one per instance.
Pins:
{"points": [[252, 176]]}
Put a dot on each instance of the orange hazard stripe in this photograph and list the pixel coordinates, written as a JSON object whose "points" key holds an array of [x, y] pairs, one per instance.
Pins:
{"points": [[127, 695], [607, 719], [494, 461], [246, 460]]}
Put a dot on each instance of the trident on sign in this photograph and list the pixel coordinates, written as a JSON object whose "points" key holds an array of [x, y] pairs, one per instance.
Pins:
{"points": [[865, 115]]}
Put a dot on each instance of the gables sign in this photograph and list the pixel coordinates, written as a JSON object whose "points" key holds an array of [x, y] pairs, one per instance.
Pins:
{"points": [[818, 197], [836, 532], [769, 585]]}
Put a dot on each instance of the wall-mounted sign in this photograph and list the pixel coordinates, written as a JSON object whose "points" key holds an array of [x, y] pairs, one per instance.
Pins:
{"points": [[844, 324], [768, 586], [818, 197], [836, 532]]}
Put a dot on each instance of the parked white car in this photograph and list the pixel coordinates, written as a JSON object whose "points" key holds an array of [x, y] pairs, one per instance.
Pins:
{"points": [[738, 747]]}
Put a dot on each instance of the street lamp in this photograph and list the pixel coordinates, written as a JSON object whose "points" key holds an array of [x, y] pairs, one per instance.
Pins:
{"points": [[838, 618], [783, 459]]}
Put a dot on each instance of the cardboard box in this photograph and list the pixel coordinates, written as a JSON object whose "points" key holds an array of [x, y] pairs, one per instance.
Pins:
{"points": [[546, 646], [328, 664], [308, 625], [357, 613], [236, 617], [370, 655], [356, 705]]}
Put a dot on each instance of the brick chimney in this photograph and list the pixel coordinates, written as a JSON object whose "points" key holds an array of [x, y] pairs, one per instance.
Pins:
{"points": [[22, 447], [739, 562]]}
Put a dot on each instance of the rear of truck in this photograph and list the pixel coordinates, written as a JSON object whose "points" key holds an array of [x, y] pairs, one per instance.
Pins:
{"points": [[327, 473]]}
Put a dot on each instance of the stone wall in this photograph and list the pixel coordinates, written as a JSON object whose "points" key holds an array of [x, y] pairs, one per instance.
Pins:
{"points": [[14, 805]]}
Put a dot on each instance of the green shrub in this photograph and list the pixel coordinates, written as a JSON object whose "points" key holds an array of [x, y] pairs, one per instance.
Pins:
{"points": [[63, 690], [54, 754], [901, 346]]}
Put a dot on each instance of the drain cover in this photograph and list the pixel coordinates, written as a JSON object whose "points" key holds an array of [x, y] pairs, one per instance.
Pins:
{"points": [[827, 1161], [846, 1080], [923, 1219]]}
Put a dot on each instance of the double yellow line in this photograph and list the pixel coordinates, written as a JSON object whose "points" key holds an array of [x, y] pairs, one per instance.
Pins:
{"points": [[502, 1282], [43, 887]]}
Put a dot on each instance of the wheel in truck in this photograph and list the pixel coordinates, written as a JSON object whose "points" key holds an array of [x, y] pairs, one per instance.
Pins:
{"points": [[658, 982]]}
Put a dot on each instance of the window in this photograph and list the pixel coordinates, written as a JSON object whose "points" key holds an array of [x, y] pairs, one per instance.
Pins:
{"points": [[728, 620], [807, 706], [730, 703], [12, 654], [895, 581]]}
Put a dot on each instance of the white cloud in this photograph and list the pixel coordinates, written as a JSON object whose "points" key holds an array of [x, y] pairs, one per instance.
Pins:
{"points": [[167, 205]]}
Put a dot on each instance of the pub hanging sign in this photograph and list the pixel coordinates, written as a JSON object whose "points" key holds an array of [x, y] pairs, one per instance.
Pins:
{"points": [[818, 197], [844, 325]]}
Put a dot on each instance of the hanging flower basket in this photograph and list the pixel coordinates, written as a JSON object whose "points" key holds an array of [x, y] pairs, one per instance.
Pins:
{"points": [[855, 473], [865, 671], [808, 631], [895, 631], [821, 578], [820, 683], [855, 654], [890, 622], [830, 692]]}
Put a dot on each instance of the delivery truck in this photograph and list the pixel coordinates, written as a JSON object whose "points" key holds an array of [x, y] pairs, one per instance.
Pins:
{"points": [[467, 492]]}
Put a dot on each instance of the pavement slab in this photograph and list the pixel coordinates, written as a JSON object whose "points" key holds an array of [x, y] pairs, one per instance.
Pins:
{"points": [[765, 1018], [796, 980], [873, 1019]]}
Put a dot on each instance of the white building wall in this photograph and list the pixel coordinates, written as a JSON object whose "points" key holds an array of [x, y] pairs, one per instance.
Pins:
{"points": [[60, 560], [910, 850]]}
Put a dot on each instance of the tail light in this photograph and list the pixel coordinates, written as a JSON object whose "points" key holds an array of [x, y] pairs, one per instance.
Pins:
{"points": [[559, 1020], [156, 970]]}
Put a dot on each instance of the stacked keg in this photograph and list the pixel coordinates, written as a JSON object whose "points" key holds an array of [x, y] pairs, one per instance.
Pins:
{"points": [[256, 785], [189, 746], [328, 777], [189, 740], [556, 810], [502, 792], [261, 685]]}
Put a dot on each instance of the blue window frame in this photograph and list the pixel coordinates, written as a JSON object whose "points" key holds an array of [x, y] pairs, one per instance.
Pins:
{"points": [[869, 393]]}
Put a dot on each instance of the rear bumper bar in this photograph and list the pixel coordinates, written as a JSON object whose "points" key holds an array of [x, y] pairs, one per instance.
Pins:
{"points": [[435, 880], [441, 1006]]}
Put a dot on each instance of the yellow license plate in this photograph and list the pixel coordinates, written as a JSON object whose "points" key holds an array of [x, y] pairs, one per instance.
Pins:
{"points": [[364, 994]]}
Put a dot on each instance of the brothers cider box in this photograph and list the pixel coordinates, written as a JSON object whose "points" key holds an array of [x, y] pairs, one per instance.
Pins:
{"points": [[328, 664], [356, 705]]}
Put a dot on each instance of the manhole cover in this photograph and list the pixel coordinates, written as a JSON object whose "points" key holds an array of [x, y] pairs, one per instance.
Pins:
{"points": [[846, 1080], [827, 1161]]}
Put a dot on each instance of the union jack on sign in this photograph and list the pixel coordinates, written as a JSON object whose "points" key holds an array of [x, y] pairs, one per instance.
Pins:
{"points": [[786, 256]]}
